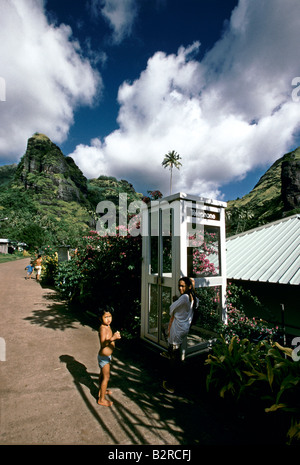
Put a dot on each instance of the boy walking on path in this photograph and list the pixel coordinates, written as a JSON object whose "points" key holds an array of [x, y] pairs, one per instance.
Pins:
{"points": [[29, 269], [38, 267]]}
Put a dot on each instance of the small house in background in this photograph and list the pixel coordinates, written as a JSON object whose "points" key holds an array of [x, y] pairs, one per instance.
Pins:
{"points": [[63, 253], [4, 245], [266, 261]]}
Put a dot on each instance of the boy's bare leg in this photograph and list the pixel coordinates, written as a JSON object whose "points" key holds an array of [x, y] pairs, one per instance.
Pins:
{"points": [[108, 391], [104, 378], [100, 382]]}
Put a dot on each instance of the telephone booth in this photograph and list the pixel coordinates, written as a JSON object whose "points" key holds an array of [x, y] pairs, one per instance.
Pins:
{"points": [[183, 235]]}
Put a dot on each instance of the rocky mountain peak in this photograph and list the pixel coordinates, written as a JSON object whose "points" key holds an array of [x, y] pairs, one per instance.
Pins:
{"points": [[44, 169], [290, 183]]}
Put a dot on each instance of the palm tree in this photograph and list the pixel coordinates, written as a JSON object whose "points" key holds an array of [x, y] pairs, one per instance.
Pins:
{"points": [[171, 160]]}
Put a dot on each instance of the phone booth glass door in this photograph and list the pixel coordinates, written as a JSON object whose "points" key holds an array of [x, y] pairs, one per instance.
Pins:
{"points": [[159, 281]]}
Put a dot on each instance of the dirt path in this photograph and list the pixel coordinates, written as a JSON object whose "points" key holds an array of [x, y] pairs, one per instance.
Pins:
{"points": [[49, 381]]}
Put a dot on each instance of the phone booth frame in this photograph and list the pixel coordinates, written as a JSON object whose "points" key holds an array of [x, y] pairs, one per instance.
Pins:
{"points": [[183, 235]]}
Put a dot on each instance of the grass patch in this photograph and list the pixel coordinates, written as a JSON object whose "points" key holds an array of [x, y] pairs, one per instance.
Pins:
{"points": [[6, 257]]}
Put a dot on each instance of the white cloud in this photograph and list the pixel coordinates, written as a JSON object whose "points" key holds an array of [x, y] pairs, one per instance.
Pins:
{"points": [[93, 158], [120, 16], [225, 115], [46, 77]]}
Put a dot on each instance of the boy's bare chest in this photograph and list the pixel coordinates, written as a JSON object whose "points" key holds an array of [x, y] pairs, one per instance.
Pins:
{"points": [[107, 331]]}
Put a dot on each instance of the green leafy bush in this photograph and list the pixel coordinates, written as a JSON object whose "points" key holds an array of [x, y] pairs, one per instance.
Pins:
{"points": [[208, 316], [105, 270], [262, 374], [68, 279], [238, 297], [238, 323], [240, 326], [49, 264]]}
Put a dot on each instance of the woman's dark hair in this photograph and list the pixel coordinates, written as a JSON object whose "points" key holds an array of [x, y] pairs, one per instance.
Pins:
{"points": [[105, 309], [191, 291]]}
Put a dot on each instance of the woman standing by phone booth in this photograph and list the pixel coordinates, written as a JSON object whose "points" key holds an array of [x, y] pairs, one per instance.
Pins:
{"points": [[183, 235]]}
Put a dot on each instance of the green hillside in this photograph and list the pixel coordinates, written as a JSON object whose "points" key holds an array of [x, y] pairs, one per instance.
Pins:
{"points": [[7, 174], [265, 202], [48, 200]]}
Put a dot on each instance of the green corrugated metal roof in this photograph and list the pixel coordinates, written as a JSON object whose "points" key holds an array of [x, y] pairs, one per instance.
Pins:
{"points": [[270, 253]]}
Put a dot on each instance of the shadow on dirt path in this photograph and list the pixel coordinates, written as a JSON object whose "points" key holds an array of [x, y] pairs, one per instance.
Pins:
{"points": [[51, 368]]}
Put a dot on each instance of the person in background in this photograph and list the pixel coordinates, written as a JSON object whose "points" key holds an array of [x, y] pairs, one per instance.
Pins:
{"points": [[38, 267], [29, 269]]}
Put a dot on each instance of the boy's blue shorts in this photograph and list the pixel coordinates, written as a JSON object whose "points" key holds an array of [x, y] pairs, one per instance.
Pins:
{"points": [[103, 360]]}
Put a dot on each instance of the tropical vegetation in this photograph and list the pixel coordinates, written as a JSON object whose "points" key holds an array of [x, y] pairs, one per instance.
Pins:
{"points": [[171, 160], [260, 379], [103, 271], [265, 202]]}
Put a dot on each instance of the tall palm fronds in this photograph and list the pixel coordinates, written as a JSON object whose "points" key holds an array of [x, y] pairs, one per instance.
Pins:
{"points": [[171, 160]]}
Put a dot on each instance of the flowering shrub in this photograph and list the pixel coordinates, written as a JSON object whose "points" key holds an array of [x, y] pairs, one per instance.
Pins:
{"points": [[204, 248], [240, 326], [49, 264], [201, 264], [238, 297], [238, 323], [104, 270]]}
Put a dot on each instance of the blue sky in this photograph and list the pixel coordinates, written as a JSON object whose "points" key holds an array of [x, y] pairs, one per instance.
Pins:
{"points": [[116, 84]]}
